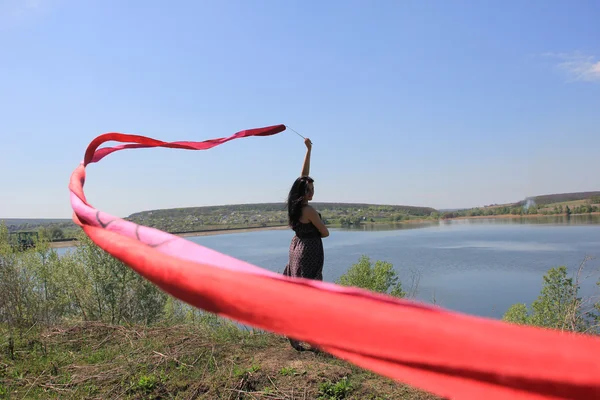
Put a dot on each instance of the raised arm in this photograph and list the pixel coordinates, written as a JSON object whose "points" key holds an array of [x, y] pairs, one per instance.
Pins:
{"points": [[306, 165]]}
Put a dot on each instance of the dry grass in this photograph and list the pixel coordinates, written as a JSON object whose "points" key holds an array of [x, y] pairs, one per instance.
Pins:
{"points": [[99, 361]]}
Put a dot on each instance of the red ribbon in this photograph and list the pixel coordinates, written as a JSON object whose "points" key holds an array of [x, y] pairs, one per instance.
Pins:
{"points": [[447, 353]]}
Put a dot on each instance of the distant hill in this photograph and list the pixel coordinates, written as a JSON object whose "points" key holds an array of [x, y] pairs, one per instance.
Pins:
{"points": [[56, 228], [35, 221], [192, 219], [277, 207], [541, 200], [560, 198], [549, 204]]}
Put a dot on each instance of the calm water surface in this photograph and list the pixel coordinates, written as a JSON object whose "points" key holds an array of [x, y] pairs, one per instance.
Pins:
{"points": [[475, 266], [478, 267]]}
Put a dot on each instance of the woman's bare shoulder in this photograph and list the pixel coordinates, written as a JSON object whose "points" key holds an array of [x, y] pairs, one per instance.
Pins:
{"points": [[309, 209]]}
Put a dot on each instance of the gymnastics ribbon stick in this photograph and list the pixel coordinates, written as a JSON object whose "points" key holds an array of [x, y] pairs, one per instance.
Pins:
{"points": [[447, 353]]}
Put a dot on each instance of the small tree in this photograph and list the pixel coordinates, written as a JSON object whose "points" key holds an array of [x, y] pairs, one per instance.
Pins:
{"points": [[517, 314], [380, 278], [111, 291], [57, 233], [558, 305]]}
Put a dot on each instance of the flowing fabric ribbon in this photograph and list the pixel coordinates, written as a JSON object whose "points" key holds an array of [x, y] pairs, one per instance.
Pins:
{"points": [[446, 353]]}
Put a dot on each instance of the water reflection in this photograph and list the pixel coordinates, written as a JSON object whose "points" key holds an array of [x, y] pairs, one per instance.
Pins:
{"points": [[508, 246], [371, 227], [586, 219]]}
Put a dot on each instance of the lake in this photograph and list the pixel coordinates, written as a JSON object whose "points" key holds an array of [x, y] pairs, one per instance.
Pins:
{"points": [[476, 266]]}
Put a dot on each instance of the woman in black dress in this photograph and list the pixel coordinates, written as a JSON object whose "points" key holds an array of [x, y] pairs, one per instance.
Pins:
{"points": [[306, 254]]}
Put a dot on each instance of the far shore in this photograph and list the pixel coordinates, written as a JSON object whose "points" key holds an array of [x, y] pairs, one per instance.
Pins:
{"points": [[520, 216], [71, 243], [225, 231]]}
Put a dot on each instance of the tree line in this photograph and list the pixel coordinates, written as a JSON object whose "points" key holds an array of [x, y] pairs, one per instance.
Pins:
{"points": [[522, 210]]}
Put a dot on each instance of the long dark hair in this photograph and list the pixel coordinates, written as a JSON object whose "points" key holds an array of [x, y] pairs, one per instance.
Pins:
{"points": [[298, 193]]}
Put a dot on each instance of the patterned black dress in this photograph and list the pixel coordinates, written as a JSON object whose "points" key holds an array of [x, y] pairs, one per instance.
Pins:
{"points": [[306, 256]]}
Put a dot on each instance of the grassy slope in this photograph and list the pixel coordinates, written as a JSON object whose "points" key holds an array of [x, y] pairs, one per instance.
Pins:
{"points": [[543, 203], [552, 199], [572, 205], [100, 361], [563, 197]]}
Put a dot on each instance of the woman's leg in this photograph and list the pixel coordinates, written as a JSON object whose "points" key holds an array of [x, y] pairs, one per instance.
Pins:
{"points": [[292, 270]]}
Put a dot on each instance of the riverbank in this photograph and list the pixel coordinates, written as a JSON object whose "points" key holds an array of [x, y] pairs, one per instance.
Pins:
{"points": [[224, 231], [507, 216], [200, 361], [211, 232]]}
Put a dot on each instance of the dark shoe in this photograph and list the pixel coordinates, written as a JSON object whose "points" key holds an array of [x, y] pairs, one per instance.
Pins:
{"points": [[296, 345]]}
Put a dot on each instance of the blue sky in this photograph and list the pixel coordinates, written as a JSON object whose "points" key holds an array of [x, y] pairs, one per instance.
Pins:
{"points": [[434, 103]]}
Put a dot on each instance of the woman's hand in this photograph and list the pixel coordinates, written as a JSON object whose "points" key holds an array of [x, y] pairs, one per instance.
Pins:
{"points": [[308, 143], [306, 164]]}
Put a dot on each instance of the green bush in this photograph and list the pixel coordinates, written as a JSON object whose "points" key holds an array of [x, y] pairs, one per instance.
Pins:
{"points": [[38, 286], [380, 277], [557, 307]]}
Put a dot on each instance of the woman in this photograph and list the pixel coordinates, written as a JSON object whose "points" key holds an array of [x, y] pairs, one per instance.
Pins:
{"points": [[306, 254]]}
